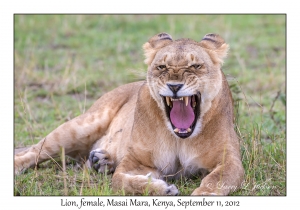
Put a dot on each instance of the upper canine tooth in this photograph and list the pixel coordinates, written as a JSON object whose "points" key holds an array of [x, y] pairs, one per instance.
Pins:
{"points": [[168, 100], [186, 100]]}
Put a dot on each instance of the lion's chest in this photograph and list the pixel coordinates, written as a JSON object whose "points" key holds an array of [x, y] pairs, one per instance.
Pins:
{"points": [[174, 160]]}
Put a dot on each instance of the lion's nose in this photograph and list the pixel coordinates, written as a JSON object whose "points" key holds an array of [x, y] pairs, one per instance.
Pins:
{"points": [[175, 87]]}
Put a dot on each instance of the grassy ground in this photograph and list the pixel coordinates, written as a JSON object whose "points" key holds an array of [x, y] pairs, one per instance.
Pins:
{"points": [[64, 63]]}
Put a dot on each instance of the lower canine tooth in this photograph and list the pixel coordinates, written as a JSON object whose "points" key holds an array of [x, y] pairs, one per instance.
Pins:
{"points": [[194, 104], [176, 130], [189, 130]]}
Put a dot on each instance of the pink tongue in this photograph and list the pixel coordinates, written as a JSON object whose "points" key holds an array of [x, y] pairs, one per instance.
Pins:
{"points": [[182, 116]]}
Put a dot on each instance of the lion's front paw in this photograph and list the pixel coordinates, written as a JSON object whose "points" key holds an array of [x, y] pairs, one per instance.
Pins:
{"points": [[172, 190], [101, 161], [205, 192], [160, 187]]}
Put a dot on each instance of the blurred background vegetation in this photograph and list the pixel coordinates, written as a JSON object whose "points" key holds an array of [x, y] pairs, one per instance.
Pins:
{"points": [[64, 63]]}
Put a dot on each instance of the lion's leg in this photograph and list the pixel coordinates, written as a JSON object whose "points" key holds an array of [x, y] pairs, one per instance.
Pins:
{"points": [[21, 151], [75, 136], [78, 135], [224, 179], [135, 179]]}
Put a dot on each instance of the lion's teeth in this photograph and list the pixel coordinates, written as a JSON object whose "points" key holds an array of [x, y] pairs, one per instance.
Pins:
{"points": [[168, 100], [194, 104], [177, 130], [186, 100], [176, 99]]}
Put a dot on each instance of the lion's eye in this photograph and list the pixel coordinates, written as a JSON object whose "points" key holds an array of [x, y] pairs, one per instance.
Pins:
{"points": [[197, 66], [161, 67]]}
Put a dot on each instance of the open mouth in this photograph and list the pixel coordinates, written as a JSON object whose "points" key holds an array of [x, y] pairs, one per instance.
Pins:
{"points": [[183, 113]]}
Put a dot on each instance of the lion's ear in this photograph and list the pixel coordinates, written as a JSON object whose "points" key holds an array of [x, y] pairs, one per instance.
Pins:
{"points": [[154, 44], [215, 43]]}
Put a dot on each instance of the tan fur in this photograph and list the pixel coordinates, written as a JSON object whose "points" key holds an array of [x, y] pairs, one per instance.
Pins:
{"points": [[127, 131]]}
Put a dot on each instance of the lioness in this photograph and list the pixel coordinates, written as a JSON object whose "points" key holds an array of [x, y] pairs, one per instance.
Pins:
{"points": [[179, 122]]}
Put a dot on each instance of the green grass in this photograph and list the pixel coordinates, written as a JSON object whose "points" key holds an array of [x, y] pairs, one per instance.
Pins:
{"points": [[64, 63]]}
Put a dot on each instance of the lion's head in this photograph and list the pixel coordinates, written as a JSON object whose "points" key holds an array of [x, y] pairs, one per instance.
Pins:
{"points": [[184, 76]]}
